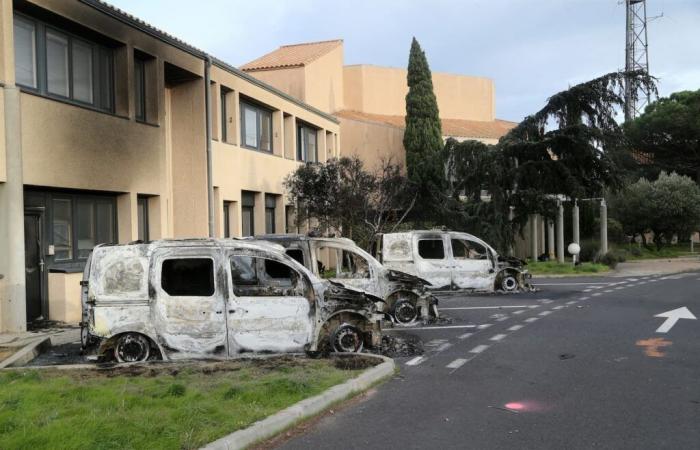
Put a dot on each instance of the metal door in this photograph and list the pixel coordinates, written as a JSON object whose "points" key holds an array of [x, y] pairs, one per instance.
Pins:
{"points": [[34, 265], [432, 260], [472, 267]]}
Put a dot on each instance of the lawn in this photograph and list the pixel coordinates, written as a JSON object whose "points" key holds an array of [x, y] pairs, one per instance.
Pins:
{"points": [[162, 406], [555, 268]]}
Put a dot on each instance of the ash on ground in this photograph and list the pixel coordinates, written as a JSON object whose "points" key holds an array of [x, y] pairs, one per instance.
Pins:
{"points": [[397, 346], [60, 354]]}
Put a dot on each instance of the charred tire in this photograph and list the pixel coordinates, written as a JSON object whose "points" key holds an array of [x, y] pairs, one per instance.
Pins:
{"points": [[132, 347], [404, 312], [347, 339], [509, 282]]}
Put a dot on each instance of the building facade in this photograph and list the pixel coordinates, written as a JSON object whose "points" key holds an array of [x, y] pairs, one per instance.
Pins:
{"points": [[106, 124], [370, 101]]}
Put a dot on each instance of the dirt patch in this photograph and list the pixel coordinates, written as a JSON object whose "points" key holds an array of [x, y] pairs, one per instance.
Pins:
{"points": [[397, 346], [354, 362]]}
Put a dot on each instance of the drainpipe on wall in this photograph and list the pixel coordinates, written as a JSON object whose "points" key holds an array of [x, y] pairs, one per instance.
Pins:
{"points": [[207, 106]]}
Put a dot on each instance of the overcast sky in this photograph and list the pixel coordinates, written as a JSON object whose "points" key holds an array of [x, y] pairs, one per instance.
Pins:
{"points": [[531, 48]]}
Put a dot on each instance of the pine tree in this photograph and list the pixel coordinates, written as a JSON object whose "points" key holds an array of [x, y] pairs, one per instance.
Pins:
{"points": [[423, 135]]}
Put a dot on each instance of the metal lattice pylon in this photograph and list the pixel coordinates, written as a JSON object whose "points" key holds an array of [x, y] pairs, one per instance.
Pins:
{"points": [[636, 57]]}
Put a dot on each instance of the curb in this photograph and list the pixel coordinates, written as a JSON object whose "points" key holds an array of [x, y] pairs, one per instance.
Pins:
{"points": [[27, 353], [272, 425]]}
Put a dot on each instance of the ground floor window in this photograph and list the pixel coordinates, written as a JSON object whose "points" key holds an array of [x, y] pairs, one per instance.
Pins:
{"points": [[247, 213], [270, 211], [142, 208], [227, 219]]}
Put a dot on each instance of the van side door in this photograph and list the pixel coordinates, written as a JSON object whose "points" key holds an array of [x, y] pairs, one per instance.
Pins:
{"points": [[270, 307], [472, 264], [345, 266], [432, 260], [188, 309]]}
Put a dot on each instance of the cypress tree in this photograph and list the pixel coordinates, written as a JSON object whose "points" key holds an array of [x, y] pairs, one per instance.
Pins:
{"points": [[423, 135]]}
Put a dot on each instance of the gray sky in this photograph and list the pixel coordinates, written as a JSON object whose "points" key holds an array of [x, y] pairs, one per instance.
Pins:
{"points": [[531, 48]]}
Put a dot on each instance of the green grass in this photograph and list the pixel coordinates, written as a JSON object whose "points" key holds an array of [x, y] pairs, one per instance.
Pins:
{"points": [[555, 268], [635, 252], [174, 407]]}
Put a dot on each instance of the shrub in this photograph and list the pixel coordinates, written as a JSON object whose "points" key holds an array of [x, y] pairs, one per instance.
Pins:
{"points": [[610, 259], [589, 251]]}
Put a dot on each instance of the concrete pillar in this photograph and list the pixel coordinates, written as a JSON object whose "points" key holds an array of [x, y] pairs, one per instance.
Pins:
{"points": [[575, 219], [533, 237], [603, 227], [13, 307], [560, 233], [550, 239]]}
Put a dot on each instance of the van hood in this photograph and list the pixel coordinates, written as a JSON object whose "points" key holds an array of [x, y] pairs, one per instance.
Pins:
{"points": [[407, 278]]}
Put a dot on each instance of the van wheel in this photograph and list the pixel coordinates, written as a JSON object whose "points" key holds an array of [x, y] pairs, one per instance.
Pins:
{"points": [[347, 339], [132, 347], [509, 282], [404, 312]]}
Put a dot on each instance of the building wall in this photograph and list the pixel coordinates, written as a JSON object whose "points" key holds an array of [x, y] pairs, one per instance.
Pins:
{"points": [[291, 81], [372, 142], [382, 90], [324, 81]]}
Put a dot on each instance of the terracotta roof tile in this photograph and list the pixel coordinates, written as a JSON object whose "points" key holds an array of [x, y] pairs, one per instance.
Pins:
{"points": [[296, 55], [450, 127]]}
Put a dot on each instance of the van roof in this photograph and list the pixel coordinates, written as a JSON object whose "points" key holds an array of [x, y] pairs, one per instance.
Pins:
{"points": [[199, 242], [289, 237]]}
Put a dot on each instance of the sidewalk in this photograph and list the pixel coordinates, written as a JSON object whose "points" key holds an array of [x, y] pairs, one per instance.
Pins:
{"points": [[17, 348]]}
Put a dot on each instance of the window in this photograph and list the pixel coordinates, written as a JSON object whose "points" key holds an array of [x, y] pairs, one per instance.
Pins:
{"points": [[140, 88], [307, 148], [142, 215], [462, 249], [270, 204], [224, 115], [290, 219], [261, 277], [227, 219], [79, 223], [25, 52], [352, 265], [188, 277], [248, 213], [256, 127], [59, 64], [431, 249], [296, 254]]}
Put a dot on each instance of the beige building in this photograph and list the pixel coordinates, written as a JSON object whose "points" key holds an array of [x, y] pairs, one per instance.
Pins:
{"points": [[370, 101], [104, 139]]}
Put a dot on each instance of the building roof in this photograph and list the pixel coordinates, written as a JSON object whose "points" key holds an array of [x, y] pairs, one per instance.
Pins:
{"points": [[493, 129], [296, 55]]}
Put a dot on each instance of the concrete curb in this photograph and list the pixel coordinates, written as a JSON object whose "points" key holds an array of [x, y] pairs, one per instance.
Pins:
{"points": [[27, 353], [270, 426]]}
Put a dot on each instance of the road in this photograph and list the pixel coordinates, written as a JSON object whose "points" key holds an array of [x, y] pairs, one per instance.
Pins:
{"points": [[577, 365]]}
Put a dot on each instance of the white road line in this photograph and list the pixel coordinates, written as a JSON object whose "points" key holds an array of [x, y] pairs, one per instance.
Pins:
{"points": [[559, 307], [642, 282], [415, 361], [572, 302], [515, 327], [569, 284], [632, 279], [498, 337], [482, 307], [587, 290], [479, 349], [457, 363], [598, 287], [519, 312], [608, 291], [584, 298], [547, 302], [484, 326], [501, 319], [443, 347], [545, 313], [465, 335], [620, 287], [597, 294], [533, 306], [532, 319], [448, 327], [435, 342]]}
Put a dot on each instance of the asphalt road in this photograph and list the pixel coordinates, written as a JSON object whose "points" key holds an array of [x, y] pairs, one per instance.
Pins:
{"points": [[577, 365]]}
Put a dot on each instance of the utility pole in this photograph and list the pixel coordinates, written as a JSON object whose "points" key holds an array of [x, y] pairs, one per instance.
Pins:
{"points": [[636, 57]]}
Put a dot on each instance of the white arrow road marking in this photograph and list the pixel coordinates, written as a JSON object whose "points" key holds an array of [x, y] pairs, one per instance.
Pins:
{"points": [[672, 317]]}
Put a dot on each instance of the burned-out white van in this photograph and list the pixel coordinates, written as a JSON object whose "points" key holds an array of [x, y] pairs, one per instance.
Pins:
{"points": [[211, 298], [451, 260], [406, 298]]}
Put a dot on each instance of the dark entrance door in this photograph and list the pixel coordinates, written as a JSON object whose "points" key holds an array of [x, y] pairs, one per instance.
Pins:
{"points": [[34, 264]]}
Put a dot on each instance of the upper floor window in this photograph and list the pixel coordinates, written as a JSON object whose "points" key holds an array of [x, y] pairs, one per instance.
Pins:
{"points": [[256, 127], [140, 88], [307, 148], [59, 64]]}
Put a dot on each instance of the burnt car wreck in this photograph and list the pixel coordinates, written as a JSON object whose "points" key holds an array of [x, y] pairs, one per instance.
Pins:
{"points": [[210, 298], [405, 297], [451, 260]]}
